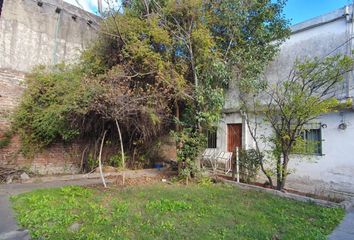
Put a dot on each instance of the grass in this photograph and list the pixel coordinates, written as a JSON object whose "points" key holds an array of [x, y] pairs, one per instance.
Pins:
{"points": [[170, 212]]}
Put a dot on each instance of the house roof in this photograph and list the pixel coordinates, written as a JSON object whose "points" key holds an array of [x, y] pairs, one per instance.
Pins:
{"points": [[343, 12]]}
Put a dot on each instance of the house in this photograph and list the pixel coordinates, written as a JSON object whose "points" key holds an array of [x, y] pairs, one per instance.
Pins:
{"points": [[328, 168]]}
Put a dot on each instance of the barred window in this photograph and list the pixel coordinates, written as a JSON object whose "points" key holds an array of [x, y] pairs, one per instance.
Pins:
{"points": [[312, 140], [212, 138]]}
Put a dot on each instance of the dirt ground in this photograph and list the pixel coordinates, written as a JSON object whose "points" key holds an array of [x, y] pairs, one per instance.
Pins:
{"points": [[117, 181]]}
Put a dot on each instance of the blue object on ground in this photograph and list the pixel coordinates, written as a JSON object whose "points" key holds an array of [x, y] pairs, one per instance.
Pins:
{"points": [[158, 165]]}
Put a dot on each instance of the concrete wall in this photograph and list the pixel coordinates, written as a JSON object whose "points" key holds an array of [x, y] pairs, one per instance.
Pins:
{"points": [[333, 172], [320, 37], [31, 35]]}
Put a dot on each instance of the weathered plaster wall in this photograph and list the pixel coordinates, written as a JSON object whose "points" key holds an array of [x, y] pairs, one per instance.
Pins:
{"points": [[333, 172], [320, 41], [329, 174], [31, 35]]}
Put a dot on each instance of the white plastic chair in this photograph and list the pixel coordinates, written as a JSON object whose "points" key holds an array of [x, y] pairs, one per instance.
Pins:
{"points": [[225, 158], [209, 154]]}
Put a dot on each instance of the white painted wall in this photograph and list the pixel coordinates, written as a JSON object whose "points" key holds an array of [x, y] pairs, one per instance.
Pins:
{"points": [[327, 174], [328, 39], [334, 171]]}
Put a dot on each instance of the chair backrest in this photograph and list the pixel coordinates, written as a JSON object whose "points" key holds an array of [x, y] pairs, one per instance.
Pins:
{"points": [[225, 155], [228, 155], [210, 152], [214, 152], [206, 152]]}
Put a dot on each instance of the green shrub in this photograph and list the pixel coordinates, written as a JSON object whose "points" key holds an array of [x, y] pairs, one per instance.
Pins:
{"points": [[92, 162], [50, 105], [6, 139], [249, 165], [205, 181], [190, 144], [116, 160]]}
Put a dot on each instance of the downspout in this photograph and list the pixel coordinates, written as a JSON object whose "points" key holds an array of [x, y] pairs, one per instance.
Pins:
{"points": [[350, 20], [56, 35], [351, 50], [99, 6]]}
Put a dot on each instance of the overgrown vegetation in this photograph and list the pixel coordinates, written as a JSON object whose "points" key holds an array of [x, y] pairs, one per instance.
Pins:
{"points": [[49, 106], [156, 66], [170, 212]]}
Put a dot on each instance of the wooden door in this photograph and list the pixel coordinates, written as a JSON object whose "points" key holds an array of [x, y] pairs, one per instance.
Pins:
{"points": [[234, 136]]}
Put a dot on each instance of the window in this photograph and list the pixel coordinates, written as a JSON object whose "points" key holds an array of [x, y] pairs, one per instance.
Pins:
{"points": [[212, 138], [312, 141]]}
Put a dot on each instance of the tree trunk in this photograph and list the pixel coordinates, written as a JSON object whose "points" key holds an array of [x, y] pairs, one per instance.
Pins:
{"points": [[191, 55], [253, 133], [279, 173], [284, 169], [177, 116], [270, 180], [82, 160]]}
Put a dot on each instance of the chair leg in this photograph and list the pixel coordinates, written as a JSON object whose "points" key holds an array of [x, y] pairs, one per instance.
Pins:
{"points": [[227, 167]]}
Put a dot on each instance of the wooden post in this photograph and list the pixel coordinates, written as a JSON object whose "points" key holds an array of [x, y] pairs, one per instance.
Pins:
{"points": [[237, 165], [233, 166]]}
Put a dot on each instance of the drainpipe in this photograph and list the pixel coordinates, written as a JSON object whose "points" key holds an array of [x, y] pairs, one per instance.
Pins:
{"points": [[349, 17], [58, 10], [99, 6], [351, 49], [351, 35], [348, 13]]}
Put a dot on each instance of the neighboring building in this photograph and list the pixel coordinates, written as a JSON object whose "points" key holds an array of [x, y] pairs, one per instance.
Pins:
{"points": [[34, 32], [330, 167]]}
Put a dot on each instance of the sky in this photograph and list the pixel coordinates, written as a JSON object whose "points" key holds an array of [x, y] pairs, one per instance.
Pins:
{"points": [[295, 10], [88, 5]]}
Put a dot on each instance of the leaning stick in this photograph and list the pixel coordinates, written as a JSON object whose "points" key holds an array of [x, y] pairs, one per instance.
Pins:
{"points": [[122, 150], [100, 161]]}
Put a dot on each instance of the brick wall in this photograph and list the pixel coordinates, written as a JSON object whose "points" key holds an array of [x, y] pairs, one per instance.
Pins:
{"points": [[11, 88], [31, 35], [56, 159]]}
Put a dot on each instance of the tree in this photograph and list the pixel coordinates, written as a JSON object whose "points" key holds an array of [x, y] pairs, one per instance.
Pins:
{"points": [[154, 59], [288, 105]]}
